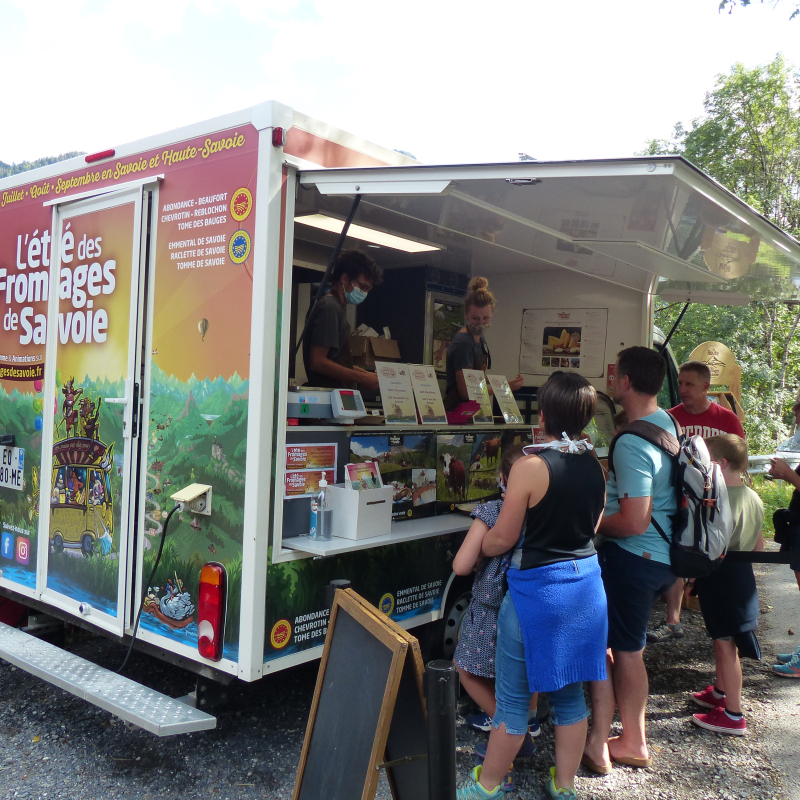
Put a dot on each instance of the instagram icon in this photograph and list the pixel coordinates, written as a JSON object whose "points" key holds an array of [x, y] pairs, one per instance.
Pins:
{"points": [[23, 554]]}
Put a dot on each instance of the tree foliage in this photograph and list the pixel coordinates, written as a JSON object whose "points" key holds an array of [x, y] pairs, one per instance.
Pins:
{"points": [[731, 4], [749, 140], [25, 166]]}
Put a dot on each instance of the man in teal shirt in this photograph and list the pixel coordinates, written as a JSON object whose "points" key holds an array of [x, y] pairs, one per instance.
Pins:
{"points": [[635, 562]]}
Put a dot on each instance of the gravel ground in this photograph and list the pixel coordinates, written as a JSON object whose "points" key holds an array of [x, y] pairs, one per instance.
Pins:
{"points": [[53, 745], [689, 762]]}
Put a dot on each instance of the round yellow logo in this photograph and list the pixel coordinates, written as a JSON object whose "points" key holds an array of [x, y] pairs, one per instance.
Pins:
{"points": [[281, 634], [241, 204], [386, 604], [239, 247]]}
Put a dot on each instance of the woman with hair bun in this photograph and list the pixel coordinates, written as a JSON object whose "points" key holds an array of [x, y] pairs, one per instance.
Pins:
{"points": [[468, 348]]}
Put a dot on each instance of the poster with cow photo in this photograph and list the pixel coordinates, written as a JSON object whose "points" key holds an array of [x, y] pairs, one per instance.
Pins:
{"points": [[467, 468], [407, 463]]}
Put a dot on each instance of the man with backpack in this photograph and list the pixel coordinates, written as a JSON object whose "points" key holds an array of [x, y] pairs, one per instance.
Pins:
{"points": [[635, 560], [697, 416]]}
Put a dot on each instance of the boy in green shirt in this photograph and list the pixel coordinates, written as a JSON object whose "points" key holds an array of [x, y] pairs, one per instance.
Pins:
{"points": [[729, 597]]}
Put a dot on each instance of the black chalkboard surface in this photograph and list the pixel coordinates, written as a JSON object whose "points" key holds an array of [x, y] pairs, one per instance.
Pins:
{"points": [[408, 734], [359, 677]]}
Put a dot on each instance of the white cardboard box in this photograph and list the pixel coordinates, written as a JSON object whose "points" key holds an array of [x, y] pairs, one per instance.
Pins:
{"points": [[360, 515]]}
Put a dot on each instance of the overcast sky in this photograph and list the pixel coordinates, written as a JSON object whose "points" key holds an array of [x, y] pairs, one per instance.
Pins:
{"points": [[446, 81]]}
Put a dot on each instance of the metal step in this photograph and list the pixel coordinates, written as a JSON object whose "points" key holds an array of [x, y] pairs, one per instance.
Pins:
{"points": [[126, 699]]}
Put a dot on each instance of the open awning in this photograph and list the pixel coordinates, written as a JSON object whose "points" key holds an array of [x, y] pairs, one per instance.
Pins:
{"points": [[651, 224]]}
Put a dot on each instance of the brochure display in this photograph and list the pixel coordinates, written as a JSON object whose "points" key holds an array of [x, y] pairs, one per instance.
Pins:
{"points": [[568, 339], [363, 476], [305, 484], [427, 395], [505, 399], [305, 464], [478, 390], [397, 395]]}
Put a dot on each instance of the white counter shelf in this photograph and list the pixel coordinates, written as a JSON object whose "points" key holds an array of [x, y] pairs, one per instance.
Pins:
{"points": [[401, 532]]}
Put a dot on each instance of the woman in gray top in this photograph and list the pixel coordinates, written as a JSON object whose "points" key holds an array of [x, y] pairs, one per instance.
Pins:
{"points": [[468, 348]]}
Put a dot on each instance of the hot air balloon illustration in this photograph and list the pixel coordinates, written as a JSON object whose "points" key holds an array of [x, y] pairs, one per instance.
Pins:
{"points": [[202, 326]]}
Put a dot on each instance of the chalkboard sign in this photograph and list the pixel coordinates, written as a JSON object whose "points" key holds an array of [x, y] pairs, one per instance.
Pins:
{"points": [[354, 699], [407, 745]]}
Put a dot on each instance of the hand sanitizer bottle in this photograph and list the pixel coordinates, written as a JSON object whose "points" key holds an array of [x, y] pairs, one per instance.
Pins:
{"points": [[317, 528]]}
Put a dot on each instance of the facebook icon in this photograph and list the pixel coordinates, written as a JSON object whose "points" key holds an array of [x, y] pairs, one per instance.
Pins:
{"points": [[7, 545]]}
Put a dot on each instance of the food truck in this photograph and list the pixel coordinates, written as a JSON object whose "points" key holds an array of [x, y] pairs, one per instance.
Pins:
{"points": [[153, 295]]}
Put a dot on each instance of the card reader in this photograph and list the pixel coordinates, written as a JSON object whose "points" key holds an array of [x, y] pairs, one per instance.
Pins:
{"points": [[347, 405], [337, 405]]}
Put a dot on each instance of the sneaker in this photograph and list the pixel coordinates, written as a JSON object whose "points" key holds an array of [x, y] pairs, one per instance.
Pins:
{"points": [[706, 698], [718, 721], [508, 782], [558, 794], [664, 632], [474, 791], [785, 658], [791, 669], [534, 728], [526, 749], [480, 722]]}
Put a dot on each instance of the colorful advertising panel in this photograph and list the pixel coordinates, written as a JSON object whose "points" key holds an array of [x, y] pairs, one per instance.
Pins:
{"points": [[200, 356], [404, 581], [89, 463], [26, 252], [202, 298]]}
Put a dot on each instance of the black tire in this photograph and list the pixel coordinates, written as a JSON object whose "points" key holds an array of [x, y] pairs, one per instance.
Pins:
{"points": [[87, 546], [453, 617], [58, 543]]}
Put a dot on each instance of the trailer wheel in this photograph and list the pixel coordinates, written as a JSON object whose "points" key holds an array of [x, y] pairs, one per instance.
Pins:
{"points": [[58, 543], [87, 546], [453, 618]]}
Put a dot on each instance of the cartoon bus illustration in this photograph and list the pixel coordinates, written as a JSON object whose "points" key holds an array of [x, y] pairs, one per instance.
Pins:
{"points": [[81, 503]]}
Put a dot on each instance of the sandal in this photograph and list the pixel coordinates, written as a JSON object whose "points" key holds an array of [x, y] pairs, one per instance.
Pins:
{"points": [[629, 761], [593, 766]]}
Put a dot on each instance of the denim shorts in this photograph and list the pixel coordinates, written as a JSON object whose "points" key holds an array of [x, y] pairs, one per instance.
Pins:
{"points": [[512, 692], [633, 584]]}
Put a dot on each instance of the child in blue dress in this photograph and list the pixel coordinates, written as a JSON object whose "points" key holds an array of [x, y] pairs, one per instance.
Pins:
{"points": [[475, 654]]}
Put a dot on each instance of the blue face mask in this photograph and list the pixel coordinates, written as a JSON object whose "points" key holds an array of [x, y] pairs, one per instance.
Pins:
{"points": [[355, 296]]}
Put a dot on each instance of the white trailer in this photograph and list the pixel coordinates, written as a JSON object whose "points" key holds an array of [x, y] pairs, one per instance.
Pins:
{"points": [[152, 294]]}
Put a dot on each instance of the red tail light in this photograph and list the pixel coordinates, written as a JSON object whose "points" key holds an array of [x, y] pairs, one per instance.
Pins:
{"points": [[211, 610], [278, 137]]}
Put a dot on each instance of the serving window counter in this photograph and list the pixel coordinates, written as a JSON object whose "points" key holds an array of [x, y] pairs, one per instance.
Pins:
{"points": [[436, 475]]}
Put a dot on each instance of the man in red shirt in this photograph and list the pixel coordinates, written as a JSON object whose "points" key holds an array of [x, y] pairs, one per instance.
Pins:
{"points": [[698, 416]]}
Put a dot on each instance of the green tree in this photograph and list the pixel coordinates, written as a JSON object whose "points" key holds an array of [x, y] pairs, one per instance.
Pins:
{"points": [[731, 4], [24, 166], [749, 140]]}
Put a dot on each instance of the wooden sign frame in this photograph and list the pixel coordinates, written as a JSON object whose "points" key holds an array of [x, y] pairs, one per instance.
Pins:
{"points": [[406, 767], [388, 635]]}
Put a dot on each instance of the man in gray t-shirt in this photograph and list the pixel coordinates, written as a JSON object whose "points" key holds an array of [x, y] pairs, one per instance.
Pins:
{"points": [[326, 344]]}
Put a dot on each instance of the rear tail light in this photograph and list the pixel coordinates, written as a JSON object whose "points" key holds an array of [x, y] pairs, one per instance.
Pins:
{"points": [[211, 610], [278, 137]]}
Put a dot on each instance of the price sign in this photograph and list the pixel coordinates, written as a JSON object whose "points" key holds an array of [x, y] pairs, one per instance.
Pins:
{"points": [[12, 462]]}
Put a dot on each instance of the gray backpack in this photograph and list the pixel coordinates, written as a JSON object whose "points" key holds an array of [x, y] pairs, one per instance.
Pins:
{"points": [[703, 525]]}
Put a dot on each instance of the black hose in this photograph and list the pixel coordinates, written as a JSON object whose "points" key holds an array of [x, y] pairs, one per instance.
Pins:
{"points": [[149, 581]]}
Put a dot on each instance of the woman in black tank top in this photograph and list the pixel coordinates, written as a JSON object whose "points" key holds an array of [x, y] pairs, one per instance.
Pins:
{"points": [[553, 624]]}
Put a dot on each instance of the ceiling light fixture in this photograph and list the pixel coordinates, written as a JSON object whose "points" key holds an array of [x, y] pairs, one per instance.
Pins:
{"points": [[333, 225]]}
